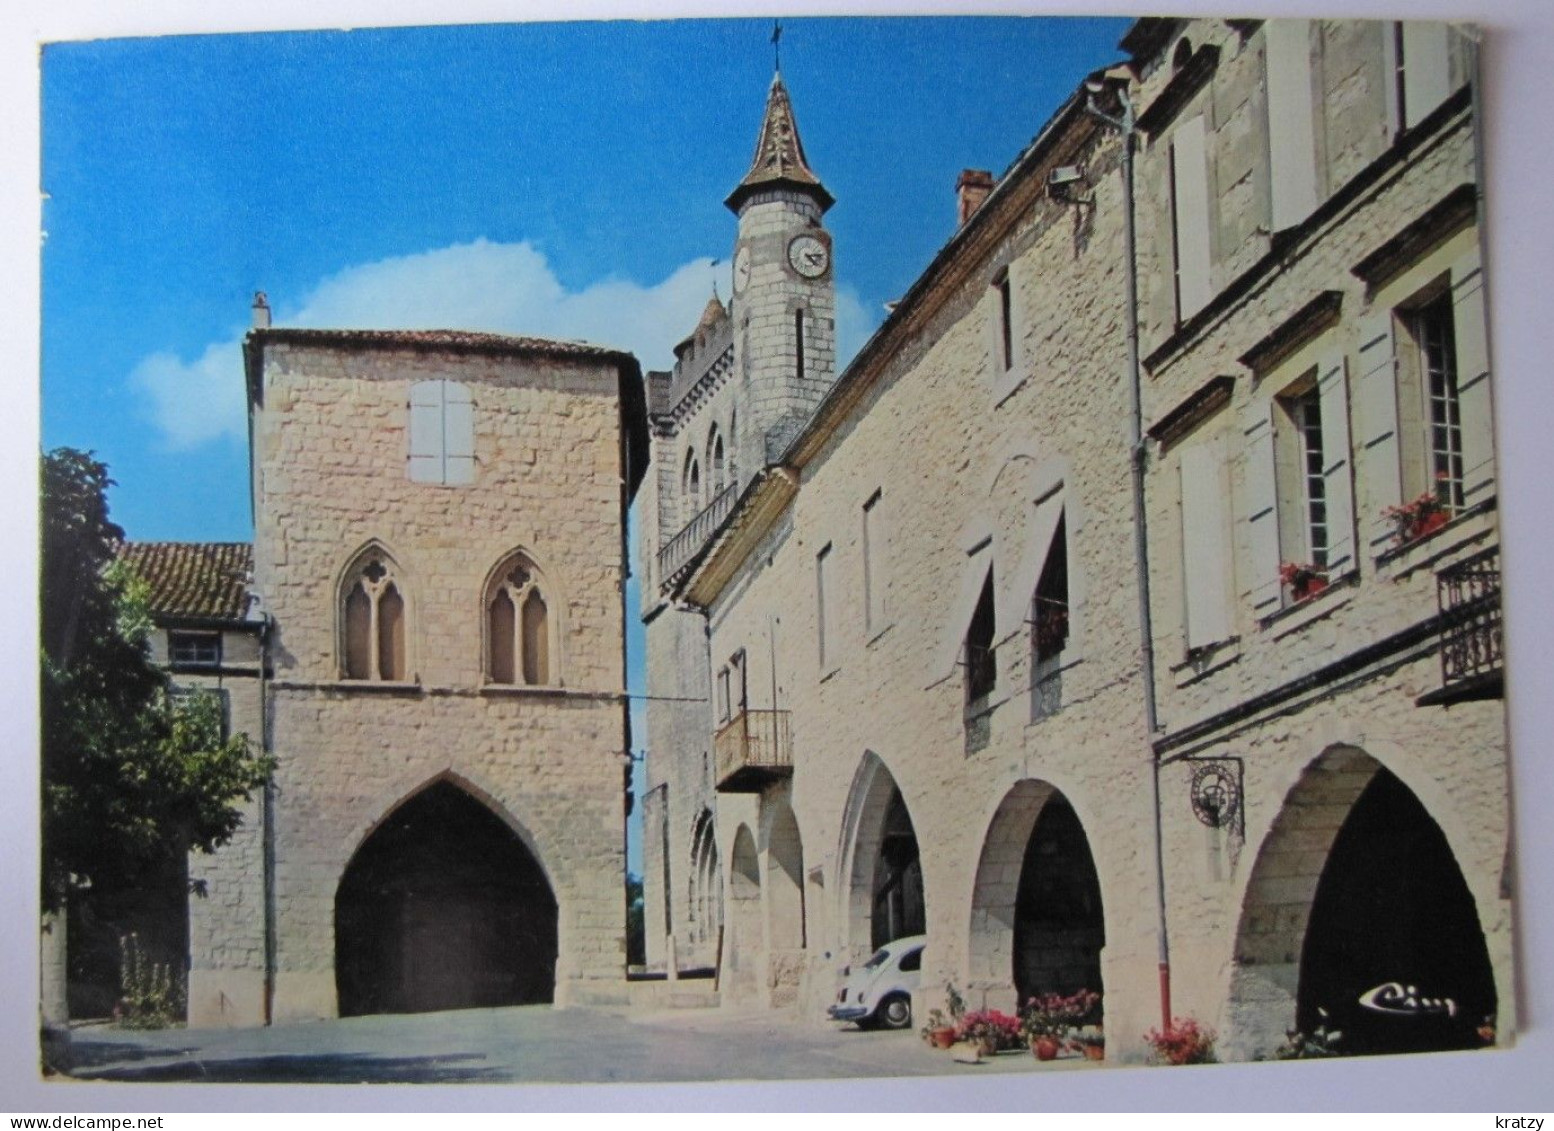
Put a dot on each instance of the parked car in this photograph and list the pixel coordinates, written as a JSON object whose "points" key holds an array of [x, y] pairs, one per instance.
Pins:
{"points": [[878, 994]]}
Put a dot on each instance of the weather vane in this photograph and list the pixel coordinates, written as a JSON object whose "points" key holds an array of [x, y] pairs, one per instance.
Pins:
{"points": [[777, 44]]}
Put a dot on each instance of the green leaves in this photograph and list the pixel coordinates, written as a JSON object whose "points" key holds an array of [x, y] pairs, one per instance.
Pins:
{"points": [[132, 775]]}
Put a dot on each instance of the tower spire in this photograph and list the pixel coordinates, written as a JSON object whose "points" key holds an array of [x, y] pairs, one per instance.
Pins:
{"points": [[779, 160]]}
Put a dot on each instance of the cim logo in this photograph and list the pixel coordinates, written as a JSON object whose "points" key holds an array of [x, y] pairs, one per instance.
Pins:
{"points": [[1405, 1001]]}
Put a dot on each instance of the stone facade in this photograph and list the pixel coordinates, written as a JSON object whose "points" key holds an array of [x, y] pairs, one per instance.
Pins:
{"points": [[536, 504], [930, 605]]}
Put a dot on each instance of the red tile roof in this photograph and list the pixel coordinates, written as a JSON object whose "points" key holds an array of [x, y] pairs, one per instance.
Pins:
{"points": [[194, 580]]}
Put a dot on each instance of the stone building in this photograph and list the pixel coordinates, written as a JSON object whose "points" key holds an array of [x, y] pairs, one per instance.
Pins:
{"points": [[439, 558], [1208, 721]]}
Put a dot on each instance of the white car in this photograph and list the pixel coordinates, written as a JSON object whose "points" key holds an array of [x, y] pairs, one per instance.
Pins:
{"points": [[878, 994]]}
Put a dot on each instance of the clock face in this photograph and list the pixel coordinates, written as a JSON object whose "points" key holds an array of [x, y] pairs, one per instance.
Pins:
{"points": [[741, 269], [809, 256]]}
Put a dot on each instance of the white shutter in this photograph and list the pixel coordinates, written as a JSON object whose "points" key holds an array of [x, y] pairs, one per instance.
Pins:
{"points": [[1205, 549], [426, 449], [1337, 463], [1014, 602], [1190, 177], [458, 433], [1261, 513], [1473, 394], [1293, 153], [1389, 77], [1426, 68], [1379, 455]]}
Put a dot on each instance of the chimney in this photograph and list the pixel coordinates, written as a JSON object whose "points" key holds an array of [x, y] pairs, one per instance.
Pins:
{"points": [[261, 311], [971, 190]]}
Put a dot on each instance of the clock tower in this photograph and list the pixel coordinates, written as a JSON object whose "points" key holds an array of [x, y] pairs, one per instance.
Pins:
{"points": [[784, 306]]}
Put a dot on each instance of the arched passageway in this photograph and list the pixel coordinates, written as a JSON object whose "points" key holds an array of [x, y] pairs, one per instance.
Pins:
{"points": [[745, 940], [443, 907], [1357, 907], [1394, 952], [883, 894], [1038, 925], [785, 880]]}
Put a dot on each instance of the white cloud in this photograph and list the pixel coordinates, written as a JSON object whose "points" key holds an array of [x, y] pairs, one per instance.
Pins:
{"points": [[496, 287]]}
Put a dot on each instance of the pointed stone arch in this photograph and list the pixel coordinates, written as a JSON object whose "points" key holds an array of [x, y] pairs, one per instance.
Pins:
{"points": [[706, 891], [1037, 919], [744, 945], [1355, 883], [443, 905], [881, 889]]}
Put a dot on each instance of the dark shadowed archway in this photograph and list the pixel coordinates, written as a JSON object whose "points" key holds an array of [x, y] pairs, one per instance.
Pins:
{"points": [[1357, 897], [1392, 910], [443, 907]]}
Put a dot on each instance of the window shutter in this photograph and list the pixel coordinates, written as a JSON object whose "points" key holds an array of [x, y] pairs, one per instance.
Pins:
{"points": [[1426, 68], [1473, 394], [1381, 460], [1190, 176], [1261, 514], [458, 430], [1014, 602], [1292, 155], [1337, 463], [426, 449], [1205, 549]]}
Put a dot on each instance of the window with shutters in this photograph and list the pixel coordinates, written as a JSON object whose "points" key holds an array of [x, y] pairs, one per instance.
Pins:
{"points": [[1299, 501], [1424, 405], [373, 619], [521, 639], [981, 662], [442, 433]]}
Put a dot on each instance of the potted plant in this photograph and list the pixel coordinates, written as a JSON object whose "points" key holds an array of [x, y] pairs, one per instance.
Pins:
{"points": [[1184, 1041], [1048, 1018], [1420, 516], [1304, 581], [1091, 1044], [991, 1031], [940, 1031]]}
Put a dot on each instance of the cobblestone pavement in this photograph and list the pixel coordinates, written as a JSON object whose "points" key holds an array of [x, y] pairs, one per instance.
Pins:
{"points": [[529, 1043]]}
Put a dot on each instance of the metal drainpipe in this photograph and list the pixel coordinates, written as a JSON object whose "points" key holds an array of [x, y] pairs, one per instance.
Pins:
{"points": [[268, 822], [1125, 124]]}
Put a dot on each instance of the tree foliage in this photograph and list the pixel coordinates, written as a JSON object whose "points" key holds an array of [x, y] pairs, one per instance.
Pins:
{"points": [[132, 777]]}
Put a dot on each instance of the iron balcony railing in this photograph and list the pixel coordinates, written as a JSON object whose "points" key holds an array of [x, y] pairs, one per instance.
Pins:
{"points": [[683, 546], [1469, 597], [752, 749]]}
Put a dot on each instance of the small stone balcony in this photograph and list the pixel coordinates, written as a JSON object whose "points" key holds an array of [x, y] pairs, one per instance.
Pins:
{"points": [[751, 751], [678, 552]]}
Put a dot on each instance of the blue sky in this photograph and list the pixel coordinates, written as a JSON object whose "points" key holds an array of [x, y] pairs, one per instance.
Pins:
{"points": [[555, 179]]}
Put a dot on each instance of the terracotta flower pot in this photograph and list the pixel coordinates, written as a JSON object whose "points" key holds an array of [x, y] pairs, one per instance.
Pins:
{"points": [[1095, 1052], [942, 1038], [1430, 523], [1045, 1048]]}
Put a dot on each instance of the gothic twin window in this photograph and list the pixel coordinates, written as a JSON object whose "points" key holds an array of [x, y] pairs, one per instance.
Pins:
{"points": [[374, 620], [517, 627], [519, 641]]}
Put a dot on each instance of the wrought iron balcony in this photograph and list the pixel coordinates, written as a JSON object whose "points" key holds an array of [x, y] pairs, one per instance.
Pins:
{"points": [[1472, 661], [751, 751], [680, 549]]}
